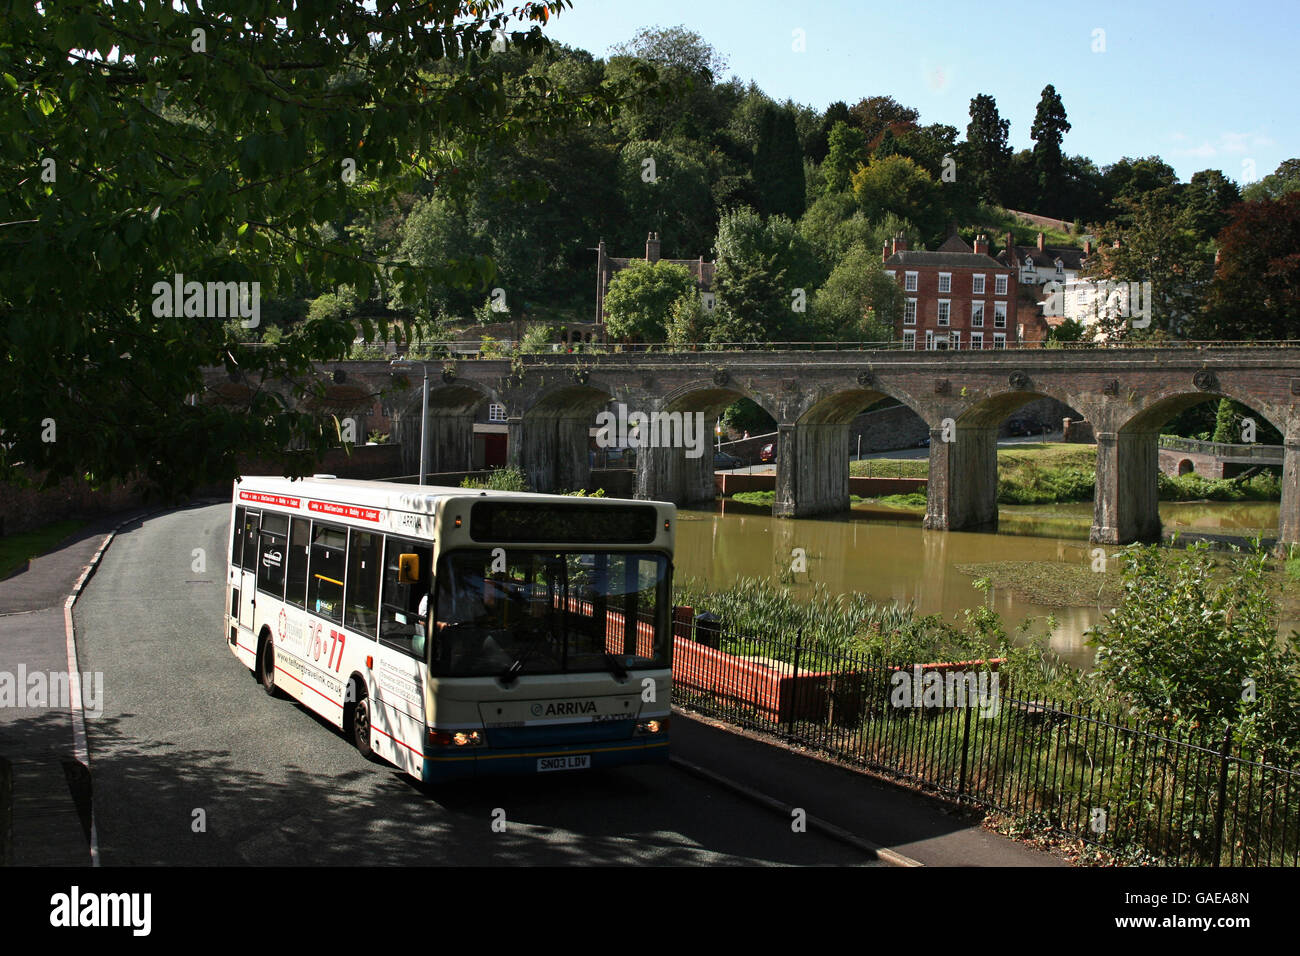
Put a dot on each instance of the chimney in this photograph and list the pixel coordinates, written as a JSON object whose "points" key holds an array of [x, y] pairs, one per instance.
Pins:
{"points": [[1087, 247], [884, 253], [1012, 258], [900, 243], [1040, 242], [981, 245], [652, 247]]}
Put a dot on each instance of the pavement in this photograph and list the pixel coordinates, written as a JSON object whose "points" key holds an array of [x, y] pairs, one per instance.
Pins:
{"points": [[42, 751], [49, 783]]}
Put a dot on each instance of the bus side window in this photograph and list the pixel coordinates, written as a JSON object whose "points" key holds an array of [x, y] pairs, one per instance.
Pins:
{"points": [[363, 583], [251, 522], [325, 589], [400, 624], [295, 591], [270, 566], [237, 539]]}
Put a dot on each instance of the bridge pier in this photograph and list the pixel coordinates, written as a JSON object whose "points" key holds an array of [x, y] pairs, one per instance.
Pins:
{"points": [[812, 470], [1288, 531], [667, 474], [1127, 505], [551, 451], [450, 438], [962, 491]]}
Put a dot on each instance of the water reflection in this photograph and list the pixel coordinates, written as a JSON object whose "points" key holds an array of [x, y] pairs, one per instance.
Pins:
{"points": [[888, 555]]}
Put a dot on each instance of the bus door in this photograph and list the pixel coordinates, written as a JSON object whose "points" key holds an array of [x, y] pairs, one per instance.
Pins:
{"points": [[248, 568], [399, 719]]}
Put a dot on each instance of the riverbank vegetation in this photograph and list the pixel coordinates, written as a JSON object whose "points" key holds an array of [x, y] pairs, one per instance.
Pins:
{"points": [[1057, 473], [1191, 644]]}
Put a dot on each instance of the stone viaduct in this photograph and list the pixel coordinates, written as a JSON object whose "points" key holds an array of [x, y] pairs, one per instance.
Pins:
{"points": [[551, 402]]}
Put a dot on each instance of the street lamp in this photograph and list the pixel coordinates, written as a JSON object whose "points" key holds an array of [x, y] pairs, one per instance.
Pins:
{"points": [[424, 412]]}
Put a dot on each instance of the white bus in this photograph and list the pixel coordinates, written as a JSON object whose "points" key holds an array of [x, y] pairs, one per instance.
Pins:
{"points": [[456, 633]]}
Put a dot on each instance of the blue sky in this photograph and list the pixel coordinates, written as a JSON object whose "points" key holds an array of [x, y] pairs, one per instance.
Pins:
{"points": [[1203, 85]]}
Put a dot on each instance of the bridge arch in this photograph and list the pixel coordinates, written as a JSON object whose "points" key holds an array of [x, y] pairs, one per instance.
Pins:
{"points": [[550, 441], [1128, 461], [452, 406]]}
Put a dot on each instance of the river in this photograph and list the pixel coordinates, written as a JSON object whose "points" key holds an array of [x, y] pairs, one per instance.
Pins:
{"points": [[888, 555]]}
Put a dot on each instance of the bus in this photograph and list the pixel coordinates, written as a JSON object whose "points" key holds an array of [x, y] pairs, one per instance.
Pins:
{"points": [[457, 633]]}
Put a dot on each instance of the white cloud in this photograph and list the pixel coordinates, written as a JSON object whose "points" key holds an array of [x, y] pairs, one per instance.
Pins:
{"points": [[1225, 143]]}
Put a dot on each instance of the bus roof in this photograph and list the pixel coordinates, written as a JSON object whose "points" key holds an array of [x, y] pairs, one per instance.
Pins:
{"points": [[384, 495]]}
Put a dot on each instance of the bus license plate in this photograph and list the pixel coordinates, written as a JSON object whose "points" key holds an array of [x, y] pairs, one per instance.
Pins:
{"points": [[568, 762]]}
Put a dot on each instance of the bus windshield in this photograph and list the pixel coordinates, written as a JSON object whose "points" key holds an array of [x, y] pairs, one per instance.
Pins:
{"points": [[505, 612]]}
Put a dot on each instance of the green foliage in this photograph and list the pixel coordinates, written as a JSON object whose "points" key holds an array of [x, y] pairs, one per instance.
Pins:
{"points": [[537, 338], [858, 302], [778, 164], [1194, 641], [747, 416], [1193, 487], [583, 493], [898, 185], [499, 479], [688, 322], [760, 264], [1285, 179], [247, 161], [640, 298], [847, 151]]}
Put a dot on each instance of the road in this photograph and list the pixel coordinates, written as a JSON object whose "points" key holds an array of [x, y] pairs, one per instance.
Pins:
{"points": [[195, 765]]}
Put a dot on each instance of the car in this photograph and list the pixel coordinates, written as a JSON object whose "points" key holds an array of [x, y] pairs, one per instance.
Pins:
{"points": [[723, 460], [768, 453]]}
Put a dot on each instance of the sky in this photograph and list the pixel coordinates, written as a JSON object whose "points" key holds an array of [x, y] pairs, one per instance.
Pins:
{"points": [[1203, 85]]}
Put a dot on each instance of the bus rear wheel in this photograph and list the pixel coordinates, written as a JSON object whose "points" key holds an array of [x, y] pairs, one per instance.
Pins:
{"points": [[268, 669], [357, 719]]}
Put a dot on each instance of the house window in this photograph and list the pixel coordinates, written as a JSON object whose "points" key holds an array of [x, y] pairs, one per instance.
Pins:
{"points": [[1000, 285], [1060, 267], [999, 315], [929, 340], [977, 315], [496, 413], [909, 312], [909, 282], [977, 285], [956, 340], [999, 340], [977, 340], [909, 340], [890, 273], [945, 282], [945, 310]]}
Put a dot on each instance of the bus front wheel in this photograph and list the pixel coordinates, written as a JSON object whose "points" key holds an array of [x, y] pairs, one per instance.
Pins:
{"points": [[268, 669], [357, 718]]}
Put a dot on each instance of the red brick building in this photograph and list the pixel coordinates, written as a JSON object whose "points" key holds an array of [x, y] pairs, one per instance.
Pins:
{"points": [[607, 266], [955, 297]]}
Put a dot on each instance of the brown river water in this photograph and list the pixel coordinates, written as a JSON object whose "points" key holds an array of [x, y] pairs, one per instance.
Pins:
{"points": [[888, 555]]}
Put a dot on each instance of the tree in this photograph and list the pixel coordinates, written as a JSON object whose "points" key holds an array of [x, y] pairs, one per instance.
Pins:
{"points": [[1256, 289], [1283, 180], [1156, 246], [675, 47], [665, 189], [766, 269], [1149, 178], [640, 298], [778, 164], [1207, 199], [819, 144], [215, 142], [874, 114], [848, 149], [858, 302], [1050, 127], [896, 184], [985, 151]]}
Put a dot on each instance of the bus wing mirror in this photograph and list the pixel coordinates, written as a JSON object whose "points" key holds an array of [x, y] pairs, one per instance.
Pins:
{"points": [[408, 569]]}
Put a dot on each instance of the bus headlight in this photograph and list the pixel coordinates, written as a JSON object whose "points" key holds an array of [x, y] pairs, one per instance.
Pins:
{"points": [[455, 738], [657, 725]]}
